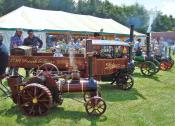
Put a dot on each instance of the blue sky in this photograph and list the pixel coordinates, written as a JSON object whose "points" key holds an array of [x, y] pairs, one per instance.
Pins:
{"points": [[166, 6]]}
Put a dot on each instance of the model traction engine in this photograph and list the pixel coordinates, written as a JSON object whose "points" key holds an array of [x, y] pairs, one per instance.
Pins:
{"points": [[37, 95], [148, 65]]}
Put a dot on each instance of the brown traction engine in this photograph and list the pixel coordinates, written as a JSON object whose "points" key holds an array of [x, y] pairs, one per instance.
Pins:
{"points": [[38, 94]]}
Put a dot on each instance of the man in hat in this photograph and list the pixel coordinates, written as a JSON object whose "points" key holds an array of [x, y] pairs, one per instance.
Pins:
{"points": [[3, 57], [32, 40], [16, 41]]}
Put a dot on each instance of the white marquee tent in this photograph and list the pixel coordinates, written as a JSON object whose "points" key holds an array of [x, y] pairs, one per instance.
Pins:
{"points": [[46, 20]]}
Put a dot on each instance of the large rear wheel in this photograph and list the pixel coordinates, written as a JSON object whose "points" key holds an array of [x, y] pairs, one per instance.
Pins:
{"points": [[36, 100]]}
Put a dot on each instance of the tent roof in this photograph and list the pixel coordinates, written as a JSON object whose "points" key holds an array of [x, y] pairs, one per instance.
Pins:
{"points": [[30, 18]]}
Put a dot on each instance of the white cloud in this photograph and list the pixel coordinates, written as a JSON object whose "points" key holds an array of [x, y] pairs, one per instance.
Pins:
{"points": [[168, 7]]}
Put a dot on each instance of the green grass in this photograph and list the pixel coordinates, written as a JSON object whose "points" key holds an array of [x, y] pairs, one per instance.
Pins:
{"points": [[151, 102]]}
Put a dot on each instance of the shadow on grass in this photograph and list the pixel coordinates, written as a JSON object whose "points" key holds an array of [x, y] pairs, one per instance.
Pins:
{"points": [[73, 95], [55, 112], [169, 71], [76, 116], [154, 77], [111, 93]]}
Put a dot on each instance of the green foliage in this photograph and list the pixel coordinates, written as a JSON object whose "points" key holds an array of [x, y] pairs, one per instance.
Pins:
{"points": [[163, 23], [126, 15], [41, 4], [64, 5], [136, 15]]}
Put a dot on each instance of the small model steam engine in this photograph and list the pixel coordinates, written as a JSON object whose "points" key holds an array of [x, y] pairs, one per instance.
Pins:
{"points": [[37, 95]]}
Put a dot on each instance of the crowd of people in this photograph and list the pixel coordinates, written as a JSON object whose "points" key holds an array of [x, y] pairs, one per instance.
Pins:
{"points": [[16, 41], [62, 46], [157, 47]]}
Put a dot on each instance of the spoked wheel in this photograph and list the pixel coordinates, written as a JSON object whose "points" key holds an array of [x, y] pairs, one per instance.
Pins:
{"points": [[88, 95], [95, 106], [172, 63], [157, 64], [36, 100], [125, 81], [164, 65], [148, 68], [48, 68]]}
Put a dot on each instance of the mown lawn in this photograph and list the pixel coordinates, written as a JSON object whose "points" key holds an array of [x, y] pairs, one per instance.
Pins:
{"points": [[150, 103]]}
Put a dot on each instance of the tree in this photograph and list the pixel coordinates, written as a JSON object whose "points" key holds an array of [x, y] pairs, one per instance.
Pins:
{"points": [[126, 15], [10, 5], [80, 7], [41, 4], [136, 15], [163, 23], [64, 5], [88, 7], [105, 10]]}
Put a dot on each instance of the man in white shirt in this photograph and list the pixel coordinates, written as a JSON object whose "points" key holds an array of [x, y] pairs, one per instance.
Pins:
{"points": [[138, 48]]}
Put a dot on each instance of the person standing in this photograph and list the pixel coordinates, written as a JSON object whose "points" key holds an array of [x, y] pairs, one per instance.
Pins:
{"points": [[162, 46], [138, 47], [3, 57], [32, 41], [15, 42]]}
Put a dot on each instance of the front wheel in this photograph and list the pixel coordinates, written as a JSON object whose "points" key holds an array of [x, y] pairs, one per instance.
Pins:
{"points": [[148, 68], [125, 81], [172, 63], [165, 65], [157, 64], [95, 106]]}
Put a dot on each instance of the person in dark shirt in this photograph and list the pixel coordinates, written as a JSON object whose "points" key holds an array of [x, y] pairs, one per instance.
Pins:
{"points": [[32, 40], [3, 57]]}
